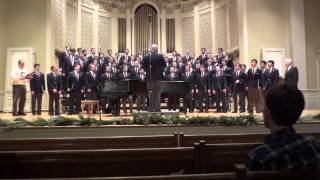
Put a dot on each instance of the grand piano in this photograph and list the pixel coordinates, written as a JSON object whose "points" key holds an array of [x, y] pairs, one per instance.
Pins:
{"points": [[127, 87], [131, 87]]}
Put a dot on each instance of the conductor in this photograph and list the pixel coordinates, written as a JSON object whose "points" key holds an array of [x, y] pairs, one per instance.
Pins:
{"points": [[153, 63]]}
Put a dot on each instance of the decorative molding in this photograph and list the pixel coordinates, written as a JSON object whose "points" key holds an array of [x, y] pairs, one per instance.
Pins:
{"points": [[221, 27], [188, 33], [104, 6], [71, 25], [105, 33], [86, 30], [88, 3], [234, 24], [206, 31], [57, 26]]}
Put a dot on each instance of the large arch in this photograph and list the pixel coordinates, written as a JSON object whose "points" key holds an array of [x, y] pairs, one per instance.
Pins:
{"points": [[145, 26]]}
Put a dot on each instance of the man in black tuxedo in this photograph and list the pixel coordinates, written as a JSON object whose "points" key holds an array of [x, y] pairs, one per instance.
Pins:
{"points": [[82, 62], [292, 74], [126, 56], [220, 56], [71, 60], [203, 57], [54, 84], [272, 78], [91, 83], [92, 56], [254, 75], [75, 86], [125, 75], [154, 77], [239, 88], [228, 73], [64, 56], [172, 98], [112, 101], [187, 57], [37, 86], [134, 71], [203, 88], [188, 76], [219, 89], [141, 96]]}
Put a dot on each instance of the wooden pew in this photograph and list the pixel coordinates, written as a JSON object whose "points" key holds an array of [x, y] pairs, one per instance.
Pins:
{"points": [[189, 140], [97, 163], [217, 158], [126, 142], [244, 174], [213, 176]]}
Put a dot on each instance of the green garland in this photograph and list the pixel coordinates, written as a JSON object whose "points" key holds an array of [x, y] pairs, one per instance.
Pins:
{"points": [[142, 119]]}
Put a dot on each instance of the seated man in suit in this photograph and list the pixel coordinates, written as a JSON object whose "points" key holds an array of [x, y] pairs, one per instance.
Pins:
{"points": [[37, 86], [292, 74], [141, 97], [203, 89], [284, 148], [172, 98], [54, 84], [219, 89], [75, 86]]}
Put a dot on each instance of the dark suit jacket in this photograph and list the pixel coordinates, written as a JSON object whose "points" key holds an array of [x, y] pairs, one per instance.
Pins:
{"points": [[241, 86], [203, 60], [292, 77], [73, 83], [157, 63], [204, 83], [228, 73], [272, 79], [263, 78], [174, 78], [103, 78], [54, 83], [91, 82], [219, 83], [121, 76], [253, 79], [63, 61], [37, 83], [190, 79]]}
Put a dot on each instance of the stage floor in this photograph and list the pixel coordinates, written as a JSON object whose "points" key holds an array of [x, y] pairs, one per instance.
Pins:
{"points": [[29, 116]]}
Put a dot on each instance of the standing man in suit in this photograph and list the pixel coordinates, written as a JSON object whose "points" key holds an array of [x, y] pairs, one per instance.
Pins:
{"points": [[92, 56], [54, 85], [91, 83], [203, 57], [172, 98], [37, 86], [272, 78], [154, 63], [228, 73], [125, 75], [112, 101], [141, 96], [262, 81], [64, 56], [203, 89], [75, 86], [254, 75], [292, 74], [239, 88], [188, 76], [219, 89]]}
